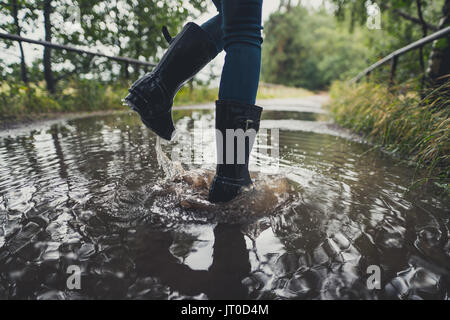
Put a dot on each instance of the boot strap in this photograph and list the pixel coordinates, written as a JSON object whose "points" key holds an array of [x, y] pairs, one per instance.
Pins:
{"points": [[167, 35], [246, 123]]}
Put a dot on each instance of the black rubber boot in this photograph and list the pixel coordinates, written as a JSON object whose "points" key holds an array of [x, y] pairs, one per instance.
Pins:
{"points": [[152, 95], [232, 169]]}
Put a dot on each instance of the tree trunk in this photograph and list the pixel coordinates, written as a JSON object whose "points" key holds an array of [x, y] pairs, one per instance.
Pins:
{"points": [[23, 66], [126, 71], [285, 4], [137, 68], [439, 64], [424, 34], [48, 74]]}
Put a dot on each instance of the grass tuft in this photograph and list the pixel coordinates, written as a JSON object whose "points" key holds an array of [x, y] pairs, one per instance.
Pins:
{"points": [[400, 121]]}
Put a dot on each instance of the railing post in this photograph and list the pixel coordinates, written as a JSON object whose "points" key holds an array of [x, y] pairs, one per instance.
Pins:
{"points": [[394, 56], [393, 69], [127, 72]]}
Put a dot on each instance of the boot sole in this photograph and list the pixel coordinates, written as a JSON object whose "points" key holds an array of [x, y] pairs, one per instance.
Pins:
{"points": [[136, 109]]}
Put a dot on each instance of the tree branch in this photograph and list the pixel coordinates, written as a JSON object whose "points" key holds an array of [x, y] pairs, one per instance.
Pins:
{"points": [[408, 17]]}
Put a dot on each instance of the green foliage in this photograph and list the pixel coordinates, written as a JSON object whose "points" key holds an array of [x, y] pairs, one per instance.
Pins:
{"points": [[203, 94], [18, 99], [309, 49], [355, 12], [91, 95], [26, 14], [120, 27], [131, 28], [400, 121]]}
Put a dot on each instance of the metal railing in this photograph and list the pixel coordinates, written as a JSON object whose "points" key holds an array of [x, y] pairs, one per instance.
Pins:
{"points": [[393, 57], [73, 49]]}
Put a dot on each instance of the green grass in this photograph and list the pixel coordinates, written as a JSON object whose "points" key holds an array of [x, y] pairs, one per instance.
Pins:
{"points": [[400, 121], [196, 95], [18, 101], [273, 91], [188, 96]]}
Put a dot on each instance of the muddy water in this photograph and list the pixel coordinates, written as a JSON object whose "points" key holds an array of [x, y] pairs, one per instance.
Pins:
{"points": [[104, 195]]}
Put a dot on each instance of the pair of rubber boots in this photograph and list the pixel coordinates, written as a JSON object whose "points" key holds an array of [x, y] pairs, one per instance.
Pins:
{"points": [[236, 123]]}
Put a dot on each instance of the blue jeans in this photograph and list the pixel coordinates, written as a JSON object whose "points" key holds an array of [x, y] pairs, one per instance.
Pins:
{"points": [[237, 30]]}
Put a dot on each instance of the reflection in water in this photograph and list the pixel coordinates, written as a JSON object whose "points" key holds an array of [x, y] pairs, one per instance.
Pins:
{"points": [[96, 193], [223, 279]]}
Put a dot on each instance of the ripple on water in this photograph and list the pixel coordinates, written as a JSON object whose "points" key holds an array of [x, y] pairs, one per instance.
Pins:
{"points": [[96, 193]]}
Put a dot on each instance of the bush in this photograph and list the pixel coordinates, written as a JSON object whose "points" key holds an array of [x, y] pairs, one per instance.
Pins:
{"points": [[400, 121], [17, 99]]}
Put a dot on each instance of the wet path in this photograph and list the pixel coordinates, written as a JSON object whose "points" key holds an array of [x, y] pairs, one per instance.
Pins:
{"points": [[103, 194]]}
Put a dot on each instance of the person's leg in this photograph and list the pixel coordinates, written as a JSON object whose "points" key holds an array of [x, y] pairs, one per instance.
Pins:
{"points": [[152, 95], [242, 43], [237, 118], [213, 27]]}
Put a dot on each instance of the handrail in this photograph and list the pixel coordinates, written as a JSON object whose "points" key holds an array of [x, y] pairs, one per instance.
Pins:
{"points": [[394, 55], [15, 37]]}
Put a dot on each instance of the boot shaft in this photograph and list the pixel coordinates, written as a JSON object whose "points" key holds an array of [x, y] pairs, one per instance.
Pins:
{"points": [[152, 95], [236, 127], [189, 52]]}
